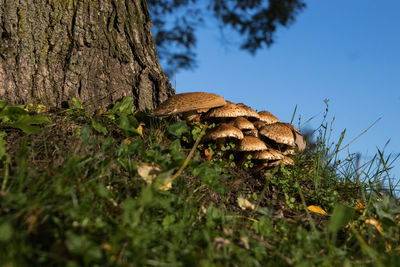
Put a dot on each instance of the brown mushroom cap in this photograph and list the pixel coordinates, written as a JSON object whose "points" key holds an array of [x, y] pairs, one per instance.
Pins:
{"points": [[269, 154], [229, 110], [242, 123], [259, 124], [267, 117], [224, 131], [286, 161], [279, 133], [251, 113], [251, 143], [298, 137], [185, 102], [289, 151]]}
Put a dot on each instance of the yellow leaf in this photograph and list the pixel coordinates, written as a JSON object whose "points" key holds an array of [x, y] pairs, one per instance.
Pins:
{"points": [[140, 129], [29, 107], [360, 208], [316, 209], [41, 108], [245, 204], [102, 111], [375, 223]]}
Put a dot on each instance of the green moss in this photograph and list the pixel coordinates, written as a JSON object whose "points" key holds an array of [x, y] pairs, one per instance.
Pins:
{"points": [[21, 23]]}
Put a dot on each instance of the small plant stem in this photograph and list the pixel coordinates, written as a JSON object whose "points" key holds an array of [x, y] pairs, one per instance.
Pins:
{"points": [[6, 175], [294, 113], [186, 162], [386, 170], [366, 130], [303, 201]]}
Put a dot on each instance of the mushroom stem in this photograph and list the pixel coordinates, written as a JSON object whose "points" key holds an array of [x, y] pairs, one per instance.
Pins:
{"points": [[258, 167], [242, 159], [221, 142]]}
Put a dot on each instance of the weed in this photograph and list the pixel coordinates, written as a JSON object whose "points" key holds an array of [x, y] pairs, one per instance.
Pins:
{"points": [[74, 193]]}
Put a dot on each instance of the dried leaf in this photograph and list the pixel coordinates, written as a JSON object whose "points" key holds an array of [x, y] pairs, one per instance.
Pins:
{"points": [[245, 204], [316, 209], [148, 172], [244, 241], [165, 187], [375, 223]]}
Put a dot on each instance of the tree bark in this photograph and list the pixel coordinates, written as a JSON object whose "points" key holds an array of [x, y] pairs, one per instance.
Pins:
{"points": [[94, 50]]}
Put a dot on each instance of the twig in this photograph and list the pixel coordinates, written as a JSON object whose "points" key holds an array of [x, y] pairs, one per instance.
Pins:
{"points": [[186, 162]]}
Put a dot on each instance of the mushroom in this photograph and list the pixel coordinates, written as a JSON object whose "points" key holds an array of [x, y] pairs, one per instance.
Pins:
{"points": [[267, 117], [230, 110], [286, 161], [298, 137], [289, 151], [189, 102], [269, 154], [251, 113], [249, 143], [242, 123], [222, 132], [259, 124], [265, 157], [279, 133]]}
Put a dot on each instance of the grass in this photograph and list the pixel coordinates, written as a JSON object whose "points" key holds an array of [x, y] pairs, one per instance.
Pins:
{"points": [[72, 195]]}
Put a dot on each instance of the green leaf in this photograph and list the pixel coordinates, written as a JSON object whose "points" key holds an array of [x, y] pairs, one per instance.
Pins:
{"points": [[341, 216], [128, 124], [100, 128], [102, 190], [12, 113], [76, 103], [3, 145], [210, 175], [178, 128], [29, 124], [6, 232], [3, 104], [176, 151], [123, 107], [85, 133], [107, 144]]}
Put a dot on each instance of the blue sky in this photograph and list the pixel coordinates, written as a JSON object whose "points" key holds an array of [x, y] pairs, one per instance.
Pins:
{"points": [[344, 51]]}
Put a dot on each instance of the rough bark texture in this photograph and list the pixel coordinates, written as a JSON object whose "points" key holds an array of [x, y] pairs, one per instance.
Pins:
{"points": [[95, 50]]}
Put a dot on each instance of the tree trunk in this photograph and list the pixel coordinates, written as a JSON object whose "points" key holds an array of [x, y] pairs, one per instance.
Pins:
{"points": [[94, 50]]}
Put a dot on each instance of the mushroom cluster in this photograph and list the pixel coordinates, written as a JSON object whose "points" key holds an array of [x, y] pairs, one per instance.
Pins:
{"points": [[259, 134]]}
